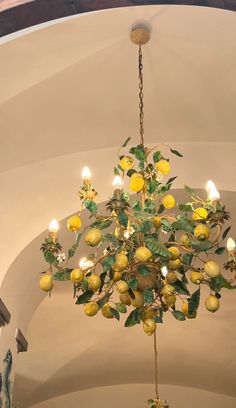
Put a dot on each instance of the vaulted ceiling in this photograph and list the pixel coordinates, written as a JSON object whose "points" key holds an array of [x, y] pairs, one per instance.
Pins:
{"points": [[69, 98]]}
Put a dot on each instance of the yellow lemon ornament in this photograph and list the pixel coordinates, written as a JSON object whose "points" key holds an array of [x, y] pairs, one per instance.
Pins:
{"points": [[93, 237], [122, 287], [46, 283], [212, 269], [125, 299], [156, 222], [196, 277], [94, 282], [171, 277], [163, 166], [199, 214], [149, 326], [121, 262], [185, 241], [168, 201], [126, 163], [106, 311], [91, 309], [174, 264], [148, 314], [117, 276], [143, 254], [77, 275], [136, 182], [138, 300], [74, 223], [202, 232], [212, 303], [175, 252], [168, 289], [170, 300]]}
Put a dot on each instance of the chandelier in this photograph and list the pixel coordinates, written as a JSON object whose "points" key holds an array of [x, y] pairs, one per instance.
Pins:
{"points": [[147, 255]]}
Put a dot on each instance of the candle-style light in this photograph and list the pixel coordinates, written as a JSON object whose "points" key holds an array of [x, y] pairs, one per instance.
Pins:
{"points": [[213, 193], [231, 245], [53, 226], [53, 229], [210, 185], [117, 183], [126, 234], [85, 263], [86, 174], [164, 270]]}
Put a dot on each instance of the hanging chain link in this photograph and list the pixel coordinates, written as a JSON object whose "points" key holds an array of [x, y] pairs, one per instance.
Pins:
{"points": [[141, 129], [156, 366], [140, 75]]}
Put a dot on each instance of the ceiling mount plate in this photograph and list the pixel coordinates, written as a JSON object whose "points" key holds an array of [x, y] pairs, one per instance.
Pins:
{"points": [[140, 35]]}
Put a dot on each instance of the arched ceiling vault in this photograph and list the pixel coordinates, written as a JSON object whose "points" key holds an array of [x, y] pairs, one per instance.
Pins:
{"points": [[69, 98], [72, 86], [69, 93]]}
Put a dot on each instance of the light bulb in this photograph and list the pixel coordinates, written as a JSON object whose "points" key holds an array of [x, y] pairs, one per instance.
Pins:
{"points": [[85, 263], [213, 194], [53, 226], [117, 183], [164, 270], [86, 174], [126, 234], [210, 185], [231, 244]]}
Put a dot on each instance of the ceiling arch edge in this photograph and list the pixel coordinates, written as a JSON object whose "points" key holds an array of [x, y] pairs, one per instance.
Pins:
{"points": [[19, 14], [123, 395]]}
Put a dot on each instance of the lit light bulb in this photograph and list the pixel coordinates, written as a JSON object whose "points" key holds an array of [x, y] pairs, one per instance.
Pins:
{"points": [[210, 185], [53, 226], [164, 270], [231, 244], [85, 263], [86, 174], [213, 194], [126, 234], [117, 183]]}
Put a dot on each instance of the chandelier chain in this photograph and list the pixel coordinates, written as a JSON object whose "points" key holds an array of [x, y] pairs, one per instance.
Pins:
{"points": [[156, 366], [141, 114]]}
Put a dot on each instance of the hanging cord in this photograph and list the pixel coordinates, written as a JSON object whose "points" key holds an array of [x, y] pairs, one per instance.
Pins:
{"points": [[156, 366], [140, 75]]}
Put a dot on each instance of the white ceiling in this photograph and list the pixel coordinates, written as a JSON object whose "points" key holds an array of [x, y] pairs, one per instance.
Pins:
{"points": [[68, 98], [72, 86]]}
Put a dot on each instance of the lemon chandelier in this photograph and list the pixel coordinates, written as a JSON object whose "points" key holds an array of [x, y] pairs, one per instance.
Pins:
{"points": [[145, 258]]}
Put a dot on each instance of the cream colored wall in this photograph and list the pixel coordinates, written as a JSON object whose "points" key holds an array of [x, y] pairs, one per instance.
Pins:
{"points": [[134, 395]]}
